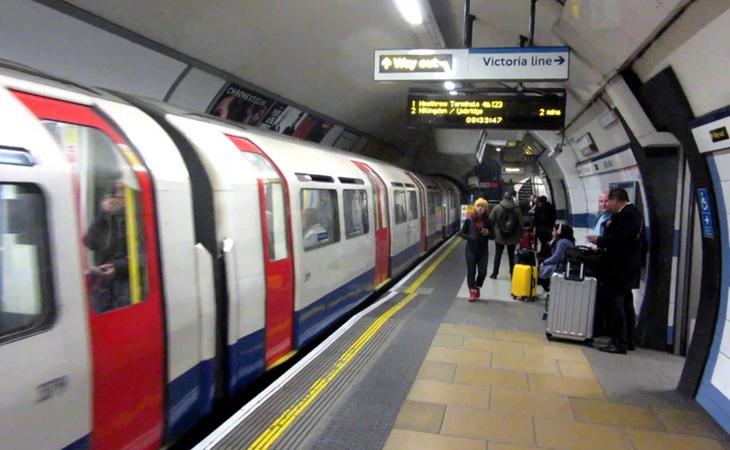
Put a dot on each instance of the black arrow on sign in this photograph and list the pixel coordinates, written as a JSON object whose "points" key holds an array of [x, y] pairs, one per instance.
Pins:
{"points": [[560, 60]]}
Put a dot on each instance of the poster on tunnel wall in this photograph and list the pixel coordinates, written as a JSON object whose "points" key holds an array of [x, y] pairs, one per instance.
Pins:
{"points": [[241, 105], [248, 107], [292, 121]]}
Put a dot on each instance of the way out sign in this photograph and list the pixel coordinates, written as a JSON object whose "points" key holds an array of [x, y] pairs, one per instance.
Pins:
{"points": [[510, 63]]}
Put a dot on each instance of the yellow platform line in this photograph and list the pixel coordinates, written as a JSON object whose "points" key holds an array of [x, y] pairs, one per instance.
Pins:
{"points": [[284, 421]]}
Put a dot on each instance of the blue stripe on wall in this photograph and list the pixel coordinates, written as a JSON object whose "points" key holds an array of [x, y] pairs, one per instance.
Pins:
{"points": [[583, 220], [711, 117], [82, 444], [313, 319], [714, 401], [670, 334]]}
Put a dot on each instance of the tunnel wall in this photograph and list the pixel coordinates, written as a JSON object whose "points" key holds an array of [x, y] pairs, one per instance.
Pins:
{"points": [[695, 47]]}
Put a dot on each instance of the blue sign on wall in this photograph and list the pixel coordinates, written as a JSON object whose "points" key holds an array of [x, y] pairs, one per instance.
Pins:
{"points": [[703, 197]]}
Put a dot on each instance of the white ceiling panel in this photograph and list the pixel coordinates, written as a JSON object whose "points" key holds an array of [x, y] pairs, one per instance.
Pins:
{"points": [[319, 53]]}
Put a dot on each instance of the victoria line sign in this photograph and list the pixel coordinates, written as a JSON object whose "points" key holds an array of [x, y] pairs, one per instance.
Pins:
{"points": [[503, 63]]}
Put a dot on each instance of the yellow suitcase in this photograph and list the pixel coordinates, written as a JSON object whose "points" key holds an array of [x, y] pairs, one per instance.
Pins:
{"points": [[524, 282]]}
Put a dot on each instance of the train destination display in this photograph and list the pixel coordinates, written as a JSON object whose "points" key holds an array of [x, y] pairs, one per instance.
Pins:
{"points": [[487, 109]]}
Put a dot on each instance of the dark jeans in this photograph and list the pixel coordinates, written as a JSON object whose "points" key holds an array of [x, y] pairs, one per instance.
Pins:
{"points": [[476, 261], [621, 317], [498, 257], [544, 237], [545, 283]]}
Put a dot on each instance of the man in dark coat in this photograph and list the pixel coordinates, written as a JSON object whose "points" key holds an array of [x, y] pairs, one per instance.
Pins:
{"points": [[544, 222], [620, 268]]}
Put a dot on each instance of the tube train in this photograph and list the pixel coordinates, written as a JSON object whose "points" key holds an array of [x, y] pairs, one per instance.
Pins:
{"points": [[155, 261]]}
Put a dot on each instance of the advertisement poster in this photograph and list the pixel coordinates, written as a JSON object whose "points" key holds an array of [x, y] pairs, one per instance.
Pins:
{"points": [[241, 105], [273, 116], [346, 140], [288, 121], [312, 128]]}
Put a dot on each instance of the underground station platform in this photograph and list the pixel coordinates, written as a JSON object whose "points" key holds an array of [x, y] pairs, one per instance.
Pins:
{"points": [[424, 368]]}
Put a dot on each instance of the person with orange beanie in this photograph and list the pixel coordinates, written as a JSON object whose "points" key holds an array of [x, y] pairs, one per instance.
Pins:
{"points": [[476, 230]]}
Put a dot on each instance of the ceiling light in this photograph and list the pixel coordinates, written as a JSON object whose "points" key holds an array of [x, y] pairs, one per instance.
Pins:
{"points": [[449, 85], [410, 10], [499, 149], [453, 92]]}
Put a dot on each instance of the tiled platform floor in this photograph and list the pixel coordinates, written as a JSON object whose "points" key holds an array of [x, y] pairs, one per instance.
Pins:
{"points": [[486, 388]]}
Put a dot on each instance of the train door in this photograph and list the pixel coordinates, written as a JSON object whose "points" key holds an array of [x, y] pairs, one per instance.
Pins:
{"points": [[116, 213], [279, 265], [382, 229], [44, 349], [423, 215]]}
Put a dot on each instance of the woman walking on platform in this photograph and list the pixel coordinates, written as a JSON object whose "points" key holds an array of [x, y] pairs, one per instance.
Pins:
{"points": [[476, 231]]}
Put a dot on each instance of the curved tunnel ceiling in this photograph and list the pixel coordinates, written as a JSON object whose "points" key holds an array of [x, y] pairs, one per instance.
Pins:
{"points": [[319, 53]]}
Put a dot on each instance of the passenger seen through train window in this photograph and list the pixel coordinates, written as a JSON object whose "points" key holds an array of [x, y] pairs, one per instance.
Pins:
{"points": [[356, 212], [412, 205], [399, 203], [320, 218], [111, 215]]}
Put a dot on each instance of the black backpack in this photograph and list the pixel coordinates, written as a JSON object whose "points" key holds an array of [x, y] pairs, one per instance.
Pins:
{"points": [[508, 222]]}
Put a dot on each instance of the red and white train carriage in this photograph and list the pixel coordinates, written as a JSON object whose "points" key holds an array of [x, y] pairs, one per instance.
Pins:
{"points": [[153, 261]]}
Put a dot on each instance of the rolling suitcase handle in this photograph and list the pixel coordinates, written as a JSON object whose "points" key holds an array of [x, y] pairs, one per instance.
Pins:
{"points": [[569, 275]]}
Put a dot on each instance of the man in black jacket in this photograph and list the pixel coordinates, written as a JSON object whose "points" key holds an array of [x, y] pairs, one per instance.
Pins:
{"points": [[620, 268]]}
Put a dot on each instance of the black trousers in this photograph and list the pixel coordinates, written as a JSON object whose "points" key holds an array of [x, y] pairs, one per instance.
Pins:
{"points": [[498, 257], [476, 268], [621, 315], [544, 237], [545, 283]]}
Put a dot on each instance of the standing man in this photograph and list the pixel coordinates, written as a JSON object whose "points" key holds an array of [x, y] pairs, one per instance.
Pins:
{"points": [[620, 268], [601, 325], [604, 215], [544, 223], [507, 220]]}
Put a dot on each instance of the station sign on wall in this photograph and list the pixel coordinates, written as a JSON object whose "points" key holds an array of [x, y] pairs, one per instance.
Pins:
{"points": [[712, 131], [703, 198], [487, 109], [501, 63]]}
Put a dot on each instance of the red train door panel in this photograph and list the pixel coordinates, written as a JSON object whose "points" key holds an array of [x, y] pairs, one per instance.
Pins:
{"points": [[422, 194], [382, 231], [279, 264], [116, 214]]}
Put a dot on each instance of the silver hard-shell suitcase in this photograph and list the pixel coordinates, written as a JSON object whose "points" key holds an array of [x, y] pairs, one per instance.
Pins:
{"points": [[572, 307]]}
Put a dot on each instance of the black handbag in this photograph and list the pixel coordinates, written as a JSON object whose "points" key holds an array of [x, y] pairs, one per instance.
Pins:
{"points": [[587, 257]]}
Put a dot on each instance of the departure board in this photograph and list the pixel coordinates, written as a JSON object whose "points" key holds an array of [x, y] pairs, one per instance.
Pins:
{"points": [[487, 109]]}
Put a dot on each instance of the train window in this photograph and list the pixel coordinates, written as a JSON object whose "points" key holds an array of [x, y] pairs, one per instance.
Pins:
{"points": [[412, 205], [320, 218], [276, 221], [399, 204], [111, 215], [355, 204], [26, 303], [276, 230]]}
